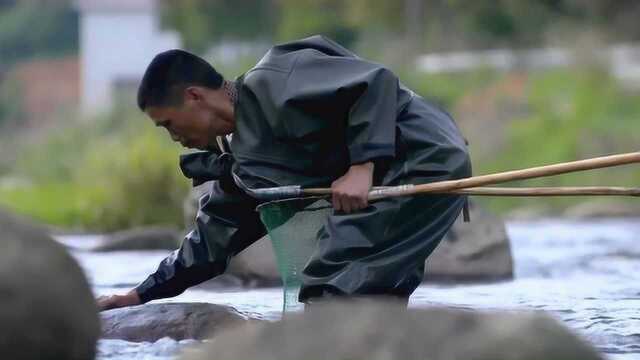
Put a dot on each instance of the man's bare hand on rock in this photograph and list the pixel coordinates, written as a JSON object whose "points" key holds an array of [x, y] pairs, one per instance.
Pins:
{"points": [[117, 301]]}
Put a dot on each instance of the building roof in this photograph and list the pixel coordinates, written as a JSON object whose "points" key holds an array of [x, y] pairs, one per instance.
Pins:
{"points": [[115, 5]]}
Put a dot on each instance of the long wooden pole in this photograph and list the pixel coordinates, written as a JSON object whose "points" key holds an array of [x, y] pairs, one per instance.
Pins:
{"points": [[550, 191], [504, 191], [497, 178]]}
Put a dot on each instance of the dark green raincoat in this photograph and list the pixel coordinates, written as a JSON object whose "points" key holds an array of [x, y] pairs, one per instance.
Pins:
{"points": [[305, 113]]}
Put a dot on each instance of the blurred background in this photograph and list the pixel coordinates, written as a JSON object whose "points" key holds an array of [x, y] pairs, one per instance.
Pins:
{"points": [[530, 82]]}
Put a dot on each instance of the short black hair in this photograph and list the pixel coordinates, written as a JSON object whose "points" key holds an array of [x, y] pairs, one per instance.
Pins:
{"points": [[169, 73]]}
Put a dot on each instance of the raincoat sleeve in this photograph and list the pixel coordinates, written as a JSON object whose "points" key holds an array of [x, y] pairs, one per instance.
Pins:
{"points": [[365, 92], [226, 223], [205, 166]]}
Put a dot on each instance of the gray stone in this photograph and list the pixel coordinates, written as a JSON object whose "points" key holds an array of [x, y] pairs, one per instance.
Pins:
{"points": [[386, 331], [479, 250], [151, 322], [142, 238], [47, 309], [256, 265]]}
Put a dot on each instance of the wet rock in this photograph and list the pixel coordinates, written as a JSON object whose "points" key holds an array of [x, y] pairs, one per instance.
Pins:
{"points": [[385, 331], [151, 322], [479, 250], [143, 238], [603, 208], [47, 309]]}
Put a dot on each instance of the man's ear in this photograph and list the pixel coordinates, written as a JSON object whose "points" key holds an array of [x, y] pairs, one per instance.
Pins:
{"points": [[193, 93]]}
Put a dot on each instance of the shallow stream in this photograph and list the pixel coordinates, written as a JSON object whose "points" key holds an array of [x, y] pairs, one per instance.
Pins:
{"points": [[586, 274]]}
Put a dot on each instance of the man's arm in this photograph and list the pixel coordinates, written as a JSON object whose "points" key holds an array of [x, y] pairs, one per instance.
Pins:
{"points": [[225, 225]]}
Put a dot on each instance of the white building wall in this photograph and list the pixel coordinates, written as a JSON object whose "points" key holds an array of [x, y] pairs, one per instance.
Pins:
{"points": [[117, 45]]}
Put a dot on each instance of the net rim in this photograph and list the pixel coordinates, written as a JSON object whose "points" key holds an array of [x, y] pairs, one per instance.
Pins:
{"points": [[269, 204]]}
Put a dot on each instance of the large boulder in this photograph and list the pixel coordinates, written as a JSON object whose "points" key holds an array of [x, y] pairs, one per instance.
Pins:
{"points": [[479, 250], [386, 331], [151, 322], [47, 310], [142, 238]]}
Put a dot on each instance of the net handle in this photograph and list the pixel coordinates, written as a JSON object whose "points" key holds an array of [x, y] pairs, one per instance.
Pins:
{"points": [[474, 185]]}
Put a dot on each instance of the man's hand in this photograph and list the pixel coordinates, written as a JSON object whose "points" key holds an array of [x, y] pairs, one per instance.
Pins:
{"points": [[350, 192], [117, 301]]}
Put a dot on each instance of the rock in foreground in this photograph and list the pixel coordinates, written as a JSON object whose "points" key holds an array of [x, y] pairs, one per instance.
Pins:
{"points": [[178, 321], [47, 310], [382, 331]]}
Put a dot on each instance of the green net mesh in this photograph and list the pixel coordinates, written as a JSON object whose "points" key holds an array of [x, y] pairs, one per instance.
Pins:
{"points": [[293, 226]]}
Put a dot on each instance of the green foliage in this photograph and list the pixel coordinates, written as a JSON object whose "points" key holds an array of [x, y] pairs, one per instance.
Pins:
{"points": [[56, 31], [53, 203], [440, 24], [138, 180], [574, 115], [202, 22], [101, 174], [446, 89], [11, 109], [301, 18]]}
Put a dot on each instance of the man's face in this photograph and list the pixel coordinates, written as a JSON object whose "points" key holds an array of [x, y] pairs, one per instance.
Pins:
{"points": [[194, 124]]}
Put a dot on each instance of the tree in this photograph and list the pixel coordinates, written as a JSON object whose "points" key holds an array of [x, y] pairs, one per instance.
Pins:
{"points": [[202, 22], [56, 32]]}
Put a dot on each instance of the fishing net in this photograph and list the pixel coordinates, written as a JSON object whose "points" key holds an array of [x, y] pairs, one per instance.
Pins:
{"points": [[293, 225]]}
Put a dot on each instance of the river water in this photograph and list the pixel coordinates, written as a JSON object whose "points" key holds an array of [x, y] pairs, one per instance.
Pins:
{"points": [[587, 274]]}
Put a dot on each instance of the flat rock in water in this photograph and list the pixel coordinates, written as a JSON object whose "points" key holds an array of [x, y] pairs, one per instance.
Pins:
{"points": [[142, 238], [385, 331], [479, 250], [47, 310], [151, 322]]}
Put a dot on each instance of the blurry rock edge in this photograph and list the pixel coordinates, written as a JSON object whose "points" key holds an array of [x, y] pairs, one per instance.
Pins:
{"points": [[385, 331], [48, 310]]}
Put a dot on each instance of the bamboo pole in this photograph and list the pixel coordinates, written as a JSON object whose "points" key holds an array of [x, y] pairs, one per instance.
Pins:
{"points": [[384, 192], [550, 191], [497, 178], [531, 173]]}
